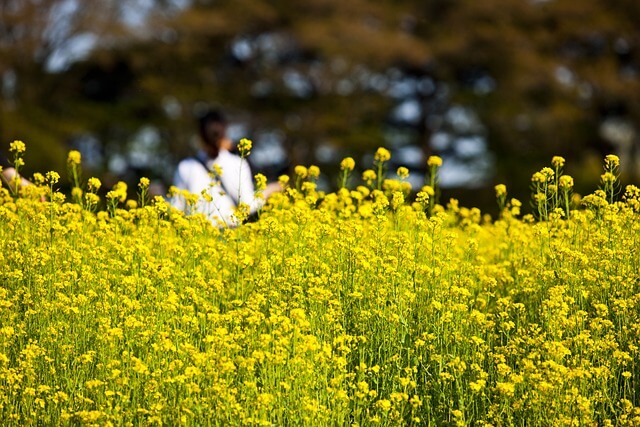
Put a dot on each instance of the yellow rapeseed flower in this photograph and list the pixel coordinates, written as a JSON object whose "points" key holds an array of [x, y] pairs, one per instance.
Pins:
{"points": [[232, 323], [93, 184], [369, 176], [538, 177], [76, 192], [283, 180], [38, 178], [261, 182], [144, 182], [429, 190], [608, 178], [74, 157], [501, 190], [244, 147], [313, 171], [301, 171], [423, 199], [382, 155], [384, 405], [548, 173], [52, 177], [434, 161], [557, 161], [17, 147], [347, 164], [566, 182], [612, 160]]}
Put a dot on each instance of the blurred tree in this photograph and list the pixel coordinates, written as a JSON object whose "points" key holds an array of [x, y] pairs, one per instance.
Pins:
{"points": [[308, 70], [473, 81], [532, 78], [37, 38], [39, 41], [564, 77]]}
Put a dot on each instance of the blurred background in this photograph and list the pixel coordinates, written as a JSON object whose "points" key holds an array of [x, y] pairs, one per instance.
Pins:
{"points": [[494, 87]]}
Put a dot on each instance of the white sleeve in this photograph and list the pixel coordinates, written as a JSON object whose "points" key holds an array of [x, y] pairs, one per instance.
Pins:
{"points": [[247, 190], [178, 201], [238, 182]]}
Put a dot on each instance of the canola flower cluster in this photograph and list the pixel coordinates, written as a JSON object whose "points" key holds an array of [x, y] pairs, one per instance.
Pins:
{"points": [[359, 307]]}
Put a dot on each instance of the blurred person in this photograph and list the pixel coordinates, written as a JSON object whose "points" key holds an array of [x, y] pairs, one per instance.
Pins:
{"points": [[9, 172], [221, 180]]}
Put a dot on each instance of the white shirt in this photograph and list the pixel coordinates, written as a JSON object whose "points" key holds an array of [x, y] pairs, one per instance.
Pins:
{"points": [[235, 186]]}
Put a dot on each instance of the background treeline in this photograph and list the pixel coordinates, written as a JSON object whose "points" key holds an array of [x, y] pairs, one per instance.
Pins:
{"points": [[495, 87]]}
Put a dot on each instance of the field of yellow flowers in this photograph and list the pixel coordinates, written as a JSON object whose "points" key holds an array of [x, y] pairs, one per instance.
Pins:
{"points": [[366, 306]]}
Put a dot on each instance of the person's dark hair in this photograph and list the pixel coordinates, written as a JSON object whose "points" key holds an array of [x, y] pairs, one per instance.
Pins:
{"points": [[212, 126]]}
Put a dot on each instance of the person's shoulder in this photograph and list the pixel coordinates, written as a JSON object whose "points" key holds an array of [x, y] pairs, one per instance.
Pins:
{"points": [[187, 164], [225, 156], [228, 154], [189, 161]]}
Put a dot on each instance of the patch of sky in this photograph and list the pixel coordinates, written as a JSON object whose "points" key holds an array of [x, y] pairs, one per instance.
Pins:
{"points": [[269, 149], [410, 156], [441, 141], [90, 148], [345, 87], [463, 120], [327, 153], [74, 49], [242, 49], [469, 174], [236, 131], [402, 88], [144, 148], [484, 85], [408, 111], [468, 147], [564, 76], [171, 107], [298, 84]]}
